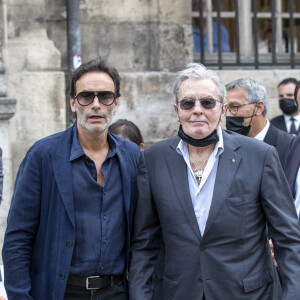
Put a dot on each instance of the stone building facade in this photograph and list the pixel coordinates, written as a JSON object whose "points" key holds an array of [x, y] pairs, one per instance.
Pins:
{"points": [[146, 40]]}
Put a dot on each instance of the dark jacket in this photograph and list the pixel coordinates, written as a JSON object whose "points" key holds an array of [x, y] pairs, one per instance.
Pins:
{"points": [[292, 163], [279, 123], [232, 259], [40, 234], [280, 140]]}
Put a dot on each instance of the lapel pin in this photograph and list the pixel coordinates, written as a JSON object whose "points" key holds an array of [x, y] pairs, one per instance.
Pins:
{"points": [[233, 160]]}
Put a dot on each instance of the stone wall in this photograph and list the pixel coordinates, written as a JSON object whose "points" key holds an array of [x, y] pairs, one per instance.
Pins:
{"points": [[31, 73], [135, 35], [146, 40]]}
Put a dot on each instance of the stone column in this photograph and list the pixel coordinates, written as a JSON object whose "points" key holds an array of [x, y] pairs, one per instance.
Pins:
{"points": [[7, 110]]}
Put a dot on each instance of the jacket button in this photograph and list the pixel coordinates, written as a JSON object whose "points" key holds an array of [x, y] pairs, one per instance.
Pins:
{"points": [[69, 243], [202, 248], [200, 279], [62, 276]]}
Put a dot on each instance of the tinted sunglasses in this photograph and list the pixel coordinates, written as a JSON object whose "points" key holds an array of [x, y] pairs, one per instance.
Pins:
{"points": [[85, 98], [189, 103]]}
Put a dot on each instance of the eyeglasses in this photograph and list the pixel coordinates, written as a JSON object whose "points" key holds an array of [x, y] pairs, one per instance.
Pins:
{"points": [[85, 98], [189, 103], [235, 108]]}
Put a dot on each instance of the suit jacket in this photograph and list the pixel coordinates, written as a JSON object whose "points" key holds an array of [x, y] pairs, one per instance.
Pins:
{"points": [[279, 122], [232, 259], [292, 163], [280, 140], [40, 234]]}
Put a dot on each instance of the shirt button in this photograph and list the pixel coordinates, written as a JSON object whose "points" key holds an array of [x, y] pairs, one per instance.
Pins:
{"points": [[62, 276], [69, 243]]}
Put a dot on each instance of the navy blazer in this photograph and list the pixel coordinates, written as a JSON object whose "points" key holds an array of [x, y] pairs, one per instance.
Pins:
{"points": [[292, 163], [40, 234], [232, 259], [279, 122]]}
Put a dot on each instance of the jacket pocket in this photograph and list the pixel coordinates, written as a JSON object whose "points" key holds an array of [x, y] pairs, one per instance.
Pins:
{"points": [[257, 281], [239, 200]]}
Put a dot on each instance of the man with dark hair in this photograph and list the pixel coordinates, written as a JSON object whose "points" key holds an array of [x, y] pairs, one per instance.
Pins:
{"points": [[246, 110], [127, 130], [69, 223], [290, 120]]}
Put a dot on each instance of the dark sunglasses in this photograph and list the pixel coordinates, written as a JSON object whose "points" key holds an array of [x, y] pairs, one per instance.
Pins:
{"points": [[85, 98], [189, 103]]}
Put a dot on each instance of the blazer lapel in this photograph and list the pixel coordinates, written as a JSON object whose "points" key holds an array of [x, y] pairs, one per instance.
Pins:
{"points": [[282, 124], [126, 184], [62, 169], [178, 174], [271, 136], [228, 164]]}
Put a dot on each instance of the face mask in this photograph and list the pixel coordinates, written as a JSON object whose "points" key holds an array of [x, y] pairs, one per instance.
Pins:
{"points": [[236, 124], [288, 106], [208, 140]]}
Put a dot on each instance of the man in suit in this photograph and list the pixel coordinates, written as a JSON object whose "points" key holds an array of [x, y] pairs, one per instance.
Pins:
{"points": [[206, 196], [292, 163], [290, 120], [247, 106], [69, 223]]}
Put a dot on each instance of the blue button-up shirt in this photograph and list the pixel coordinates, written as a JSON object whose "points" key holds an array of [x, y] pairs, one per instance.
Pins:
{"points": [[100, 219]]}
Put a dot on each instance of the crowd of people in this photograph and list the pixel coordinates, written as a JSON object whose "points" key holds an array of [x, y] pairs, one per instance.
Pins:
{"points": [[96, 215]]}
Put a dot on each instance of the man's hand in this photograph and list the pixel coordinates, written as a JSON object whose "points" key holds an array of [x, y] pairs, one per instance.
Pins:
{"points": [[272, 252]]}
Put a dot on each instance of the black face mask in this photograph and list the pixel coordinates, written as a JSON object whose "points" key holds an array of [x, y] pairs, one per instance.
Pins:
{"points": [[208, 140], [288, 106], [236, 124]]}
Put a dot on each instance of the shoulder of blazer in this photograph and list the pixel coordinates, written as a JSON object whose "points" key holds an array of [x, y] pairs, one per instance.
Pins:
{"points": [[165, 144], [277, 137], [59, 142], [279, 122], [126, 149], [294, 146], [277, 119], [237, 141], [284, 137]]}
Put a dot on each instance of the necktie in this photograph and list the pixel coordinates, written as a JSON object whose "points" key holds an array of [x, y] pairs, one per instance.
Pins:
{"points": [[293, 127]]}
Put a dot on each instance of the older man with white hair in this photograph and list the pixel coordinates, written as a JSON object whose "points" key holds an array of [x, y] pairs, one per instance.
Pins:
{"points": [[204, 200]]}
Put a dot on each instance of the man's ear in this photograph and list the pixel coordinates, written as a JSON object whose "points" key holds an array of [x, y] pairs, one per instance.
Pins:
{"points": [[72, 104], [260, 107], [116, 105], [224, 109], [176, 111]]}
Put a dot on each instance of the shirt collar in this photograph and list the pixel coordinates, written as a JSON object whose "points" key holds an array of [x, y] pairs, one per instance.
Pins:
{"points": [[262, 134], [77, 151], [182, 147]]}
